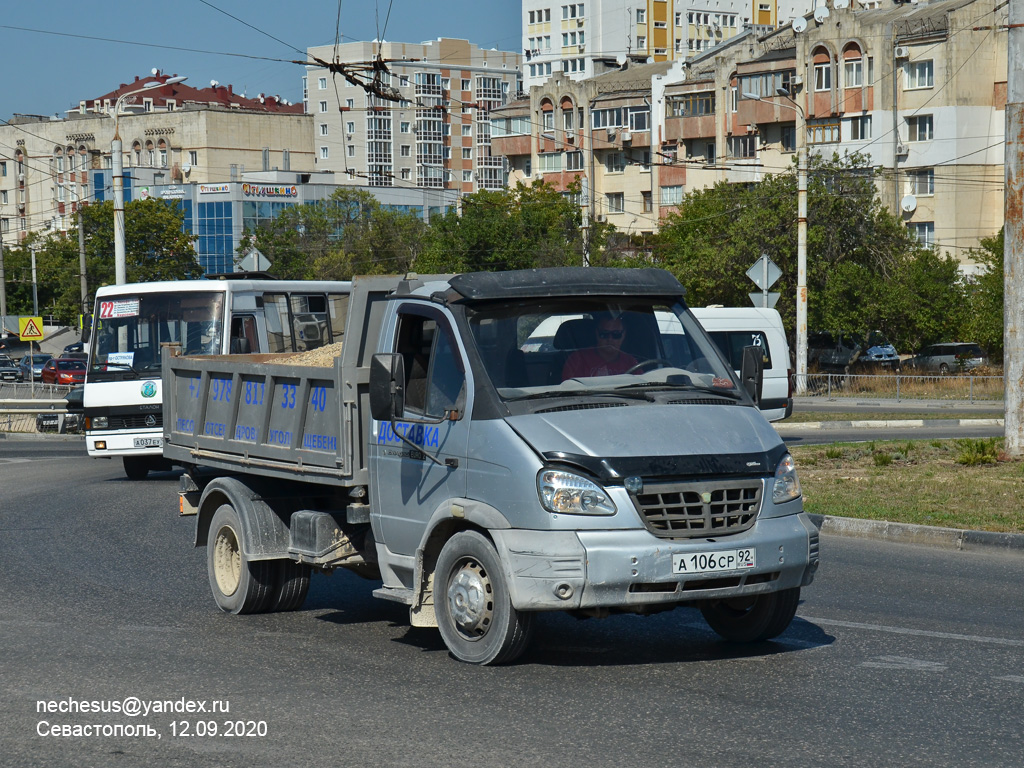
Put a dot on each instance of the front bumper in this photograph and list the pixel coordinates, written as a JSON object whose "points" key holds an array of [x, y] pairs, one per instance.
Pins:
{"points": [[123, 444], [568, 570]]}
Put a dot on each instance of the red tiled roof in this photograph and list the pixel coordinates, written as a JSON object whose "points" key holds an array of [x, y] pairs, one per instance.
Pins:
{"points": [[183, 93]]}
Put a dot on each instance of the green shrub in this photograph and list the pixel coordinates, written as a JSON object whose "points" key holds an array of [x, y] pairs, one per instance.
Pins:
{"points": [[833, 452], [972, 452], [883, 459]]}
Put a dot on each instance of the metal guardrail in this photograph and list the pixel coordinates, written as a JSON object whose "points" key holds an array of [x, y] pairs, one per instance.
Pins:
{"points": [[20, 404], [901, 387]]}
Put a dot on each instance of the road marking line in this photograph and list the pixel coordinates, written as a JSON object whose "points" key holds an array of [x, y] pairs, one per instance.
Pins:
{"points": [[1012, 678], [905, 662], [918, 632]]}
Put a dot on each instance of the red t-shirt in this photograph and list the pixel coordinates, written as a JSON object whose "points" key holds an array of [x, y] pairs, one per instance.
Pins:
{"points": [[587, 362]]}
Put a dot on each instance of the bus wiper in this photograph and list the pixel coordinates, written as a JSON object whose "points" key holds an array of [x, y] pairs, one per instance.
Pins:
{"points": [[129, 366]]}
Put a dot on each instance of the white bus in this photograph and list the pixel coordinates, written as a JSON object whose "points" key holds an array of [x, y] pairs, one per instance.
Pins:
{"points": [[131, 323]]}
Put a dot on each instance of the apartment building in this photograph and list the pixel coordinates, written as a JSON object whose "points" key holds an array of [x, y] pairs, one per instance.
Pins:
{"points": [[435, 131], [919, 88], [575, 38], [170, 135]]}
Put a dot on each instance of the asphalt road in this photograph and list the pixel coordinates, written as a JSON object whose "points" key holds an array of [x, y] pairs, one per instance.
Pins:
{"points": [[899, 655]]}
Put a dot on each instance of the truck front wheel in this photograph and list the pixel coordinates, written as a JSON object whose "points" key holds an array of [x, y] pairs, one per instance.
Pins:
{"points": [[239, 585], [136, 467], [471, 600], [754, 618]]}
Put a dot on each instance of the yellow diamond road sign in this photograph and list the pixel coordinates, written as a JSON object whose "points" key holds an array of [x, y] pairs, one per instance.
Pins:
{"points": [[30, 328]]}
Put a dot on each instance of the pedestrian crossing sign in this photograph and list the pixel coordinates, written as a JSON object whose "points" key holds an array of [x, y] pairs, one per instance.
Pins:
{"points": [[30, 328]]}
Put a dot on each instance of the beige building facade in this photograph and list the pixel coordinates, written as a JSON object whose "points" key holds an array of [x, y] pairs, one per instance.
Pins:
{"points": [[434, 133]]}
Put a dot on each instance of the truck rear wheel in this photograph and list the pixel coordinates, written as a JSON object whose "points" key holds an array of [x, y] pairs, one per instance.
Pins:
{"points": [[471, 600], [754, 618], [291, 585], [239, 585]]}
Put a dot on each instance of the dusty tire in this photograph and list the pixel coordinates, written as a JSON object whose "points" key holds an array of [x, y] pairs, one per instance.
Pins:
{"points": [[136, 467], [238, 585], [752, 619], [471, 601], [943, 369], [291, 585]]}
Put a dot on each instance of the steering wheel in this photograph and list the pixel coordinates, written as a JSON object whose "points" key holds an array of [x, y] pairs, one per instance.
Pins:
{"points": [[660, 361]]}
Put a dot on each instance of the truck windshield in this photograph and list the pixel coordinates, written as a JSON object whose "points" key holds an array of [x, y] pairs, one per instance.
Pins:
{"points": [[130, 329], [544, 348]]}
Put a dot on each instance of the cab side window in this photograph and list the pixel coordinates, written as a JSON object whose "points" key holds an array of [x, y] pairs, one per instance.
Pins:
{"points": [[434, 373]]}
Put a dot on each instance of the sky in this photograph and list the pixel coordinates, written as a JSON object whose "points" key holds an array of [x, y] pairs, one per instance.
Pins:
{"points": [[47, 71]]}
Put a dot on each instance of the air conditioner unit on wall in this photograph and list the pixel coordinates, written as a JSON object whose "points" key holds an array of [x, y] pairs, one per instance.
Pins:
{"points": [[901, 52], [902, 149]]}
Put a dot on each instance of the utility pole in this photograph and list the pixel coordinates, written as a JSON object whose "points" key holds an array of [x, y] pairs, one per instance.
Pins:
{"points": [[3, 281], [1013, 253], [82, 282]]}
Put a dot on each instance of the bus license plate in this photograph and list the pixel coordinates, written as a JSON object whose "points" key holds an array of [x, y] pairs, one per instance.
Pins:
{"points": [[712, 562], [149, 442]]}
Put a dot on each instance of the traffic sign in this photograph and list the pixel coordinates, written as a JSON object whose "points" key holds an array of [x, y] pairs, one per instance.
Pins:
{"points": [[759, 299], [30, 328], [764, 272]]}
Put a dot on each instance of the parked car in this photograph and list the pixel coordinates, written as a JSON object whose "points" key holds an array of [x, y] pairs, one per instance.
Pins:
{"points": [[9, 370], [76, 346], [851, 352], [32, 366], [949, 357], [63, 370]]}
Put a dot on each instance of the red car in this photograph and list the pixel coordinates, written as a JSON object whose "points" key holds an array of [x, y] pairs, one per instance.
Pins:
{"points": [[63, 370]]}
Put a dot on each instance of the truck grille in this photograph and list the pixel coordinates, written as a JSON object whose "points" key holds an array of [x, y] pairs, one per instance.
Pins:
{"points": [[683, 510]]}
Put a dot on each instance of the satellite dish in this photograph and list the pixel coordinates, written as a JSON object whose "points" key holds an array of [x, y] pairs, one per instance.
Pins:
{"points": [[820, 13], [186, 167], [799, 24], [908, 204], [840, 4], [214, 83]]}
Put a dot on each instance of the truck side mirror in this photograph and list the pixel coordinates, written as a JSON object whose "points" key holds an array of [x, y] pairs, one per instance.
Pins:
{"points": [[387, 386], [752, 372]]}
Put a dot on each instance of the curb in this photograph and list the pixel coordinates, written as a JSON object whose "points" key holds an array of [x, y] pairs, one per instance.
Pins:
{"points": [[905, 533], [889, 424]]}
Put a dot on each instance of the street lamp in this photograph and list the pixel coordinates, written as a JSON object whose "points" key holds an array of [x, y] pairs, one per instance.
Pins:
{"points": [[117, 162], [801, 236]]}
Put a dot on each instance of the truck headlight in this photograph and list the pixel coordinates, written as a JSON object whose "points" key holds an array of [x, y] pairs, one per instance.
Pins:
{"points": [[569, 494], [99, 422], [787, 484]]}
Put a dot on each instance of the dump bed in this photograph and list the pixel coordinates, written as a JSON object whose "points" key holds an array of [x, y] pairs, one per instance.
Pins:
{"points": [[271, 415]]}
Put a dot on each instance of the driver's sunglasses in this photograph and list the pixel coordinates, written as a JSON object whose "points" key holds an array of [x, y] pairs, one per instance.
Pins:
{"points": [[609, 335]]}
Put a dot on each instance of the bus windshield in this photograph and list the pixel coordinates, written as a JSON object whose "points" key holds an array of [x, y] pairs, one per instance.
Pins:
{"points": [[130, 329]]}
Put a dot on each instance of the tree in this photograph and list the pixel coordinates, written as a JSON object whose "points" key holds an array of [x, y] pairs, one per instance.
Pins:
{"points": [[348, 234], [984, 316], [517, 228], [865, 271]]}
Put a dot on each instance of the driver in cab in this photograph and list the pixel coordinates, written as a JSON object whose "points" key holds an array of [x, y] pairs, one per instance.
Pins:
{"points": [[606, 357]]}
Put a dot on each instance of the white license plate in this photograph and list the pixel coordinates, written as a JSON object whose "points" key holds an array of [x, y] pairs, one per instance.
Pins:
{"points": [[149, 442], [712, 562]]}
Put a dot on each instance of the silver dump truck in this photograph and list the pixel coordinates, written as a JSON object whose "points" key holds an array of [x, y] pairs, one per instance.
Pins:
{"points": [[484, 473]]}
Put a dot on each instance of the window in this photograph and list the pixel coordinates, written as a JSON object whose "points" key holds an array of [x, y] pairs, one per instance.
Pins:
{"points": [[641, 16], [823, 77], [434, 373], [679, 19], [3, 197], [350, 127], [406, 150], [403, 127], [919, 74], [163, 158], [672, 195], [853, 73], [924, 231], [193, 158], [350, 150], [641, 42], [742, 146], [3, 169], [467, 153], [616, 202], [789, 138], [547, 121], [766, 84], [567, 119], [693, 105], [550, 162], [467, 85], [406, 173], [322, 83], [919, 128], [467, 176], [922, 183], [860, 128], [639, 118], [323, 129], [323, 106], [325, 153], [350, 103], [574, 161], [648, 204], [615, 162], [822, 132], [533, 17]]}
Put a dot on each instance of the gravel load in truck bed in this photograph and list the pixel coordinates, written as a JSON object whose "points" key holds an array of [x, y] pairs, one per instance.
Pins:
{"points": [[321, 357]]}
